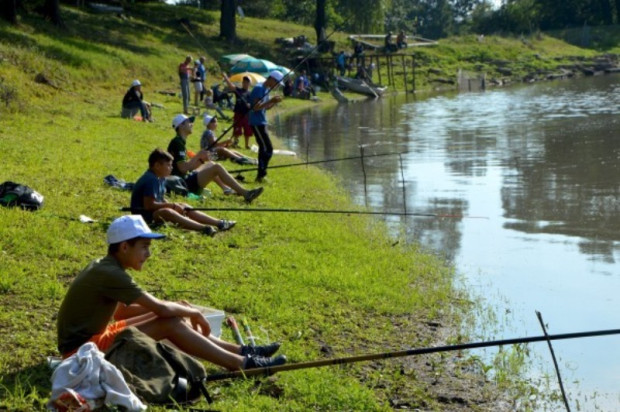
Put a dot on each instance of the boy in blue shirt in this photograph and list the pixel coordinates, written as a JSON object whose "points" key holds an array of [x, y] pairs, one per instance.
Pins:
{"points": [[260, 103], [148, 200]]}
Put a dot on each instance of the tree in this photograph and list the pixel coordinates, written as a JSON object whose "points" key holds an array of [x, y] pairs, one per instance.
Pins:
{"points": [[228, 22], [51, 10], [9, 10], [320, 22]]}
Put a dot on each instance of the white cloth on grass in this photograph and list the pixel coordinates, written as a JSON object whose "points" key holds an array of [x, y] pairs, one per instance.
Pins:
{"points": [[89, 374]]}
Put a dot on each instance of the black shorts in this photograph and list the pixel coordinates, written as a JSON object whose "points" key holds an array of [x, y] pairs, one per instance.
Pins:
{"points": [[191, 180]]}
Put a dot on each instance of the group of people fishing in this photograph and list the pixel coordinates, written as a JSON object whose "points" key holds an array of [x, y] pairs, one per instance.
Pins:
{"points": [[103, 299]]}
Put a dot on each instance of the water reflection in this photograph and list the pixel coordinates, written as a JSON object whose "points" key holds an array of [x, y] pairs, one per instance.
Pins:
{"points": [[539, 163]]}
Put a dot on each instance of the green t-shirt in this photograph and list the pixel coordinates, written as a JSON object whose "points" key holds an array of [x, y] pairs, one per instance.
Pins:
{"points": [[177, 148], [91, 301]]}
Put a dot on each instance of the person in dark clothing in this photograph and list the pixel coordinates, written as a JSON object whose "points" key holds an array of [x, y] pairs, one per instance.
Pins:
{"points": [[134, 100], [260, 102], [241, 119], [389, 44], [287, 89]]}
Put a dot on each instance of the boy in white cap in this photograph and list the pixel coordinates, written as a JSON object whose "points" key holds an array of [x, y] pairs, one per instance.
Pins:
{"points": [[208, 141], [134, 99], [103, 300], [260, 103], [199, 171]]}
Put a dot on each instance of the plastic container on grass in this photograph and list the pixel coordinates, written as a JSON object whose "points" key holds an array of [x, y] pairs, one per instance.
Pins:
{"points": [[215, 317]]}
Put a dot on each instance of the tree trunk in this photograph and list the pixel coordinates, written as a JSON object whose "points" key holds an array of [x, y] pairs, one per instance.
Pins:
{"points": [[319, 22], [9, 10], [228, 24], [52, 11]]}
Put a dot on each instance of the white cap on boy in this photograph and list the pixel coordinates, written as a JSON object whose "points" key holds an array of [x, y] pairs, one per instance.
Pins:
{"points": [[276, 75], [180, 118], [129, 227], [207, 119]]}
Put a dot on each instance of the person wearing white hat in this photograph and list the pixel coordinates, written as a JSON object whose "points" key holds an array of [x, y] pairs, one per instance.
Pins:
{"points": [[209, 142], [199, 170], [134, 100], [103, 300], [260, 103]]}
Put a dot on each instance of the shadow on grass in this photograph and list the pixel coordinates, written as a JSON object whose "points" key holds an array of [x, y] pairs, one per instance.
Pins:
{"points": [[29, 386]]}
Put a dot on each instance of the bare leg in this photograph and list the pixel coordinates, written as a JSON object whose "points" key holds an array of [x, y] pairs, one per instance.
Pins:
{"points": [[169, 215], [218, 174], [190, 341], [230, 347], [203, 218]]}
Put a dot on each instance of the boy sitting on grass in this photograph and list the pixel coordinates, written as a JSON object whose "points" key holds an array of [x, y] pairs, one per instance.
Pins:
{"points": [[147, 199], [199, 171], [208, 141], [103, 300]]}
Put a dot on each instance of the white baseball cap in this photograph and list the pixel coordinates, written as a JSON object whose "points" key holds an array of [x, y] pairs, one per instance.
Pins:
{"points": [[136, 83], [180, 118], [207, 119], [129, 227], [276, 75]]}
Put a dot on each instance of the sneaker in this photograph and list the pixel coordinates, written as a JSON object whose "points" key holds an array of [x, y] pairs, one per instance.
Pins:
{"points": [[209, 231], [252, 194], [255, 361], [226, 224], [260, 350], [228, 191]]}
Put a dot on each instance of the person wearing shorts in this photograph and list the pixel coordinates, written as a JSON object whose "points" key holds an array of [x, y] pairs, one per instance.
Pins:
{"points": [[199, 170], [241, 119], [103, 300]]}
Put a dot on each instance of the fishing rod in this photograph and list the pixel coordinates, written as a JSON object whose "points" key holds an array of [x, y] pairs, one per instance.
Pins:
{"points": [[315, 48], [314, 162], [403, 353], [325, 211]]}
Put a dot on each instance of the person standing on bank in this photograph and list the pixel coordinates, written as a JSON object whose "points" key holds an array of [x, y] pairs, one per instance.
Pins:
{"points": [[185, 74], [241, 121], [260, 103]]}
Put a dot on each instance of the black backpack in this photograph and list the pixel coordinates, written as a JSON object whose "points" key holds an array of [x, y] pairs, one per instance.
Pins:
{"points": [[155, 372], [13, 194], [175, 184]]}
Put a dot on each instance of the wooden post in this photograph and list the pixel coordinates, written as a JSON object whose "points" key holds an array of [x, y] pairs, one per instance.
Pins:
{"points": [[413, 73], [404, 74], [388, 60], [379, 69]]}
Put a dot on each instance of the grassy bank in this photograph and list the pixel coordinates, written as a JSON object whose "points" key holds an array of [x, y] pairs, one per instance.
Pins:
{"points": [[326, 286]]}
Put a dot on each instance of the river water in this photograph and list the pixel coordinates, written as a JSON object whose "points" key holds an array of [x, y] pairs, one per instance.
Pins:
{"points": [[535, 173]]}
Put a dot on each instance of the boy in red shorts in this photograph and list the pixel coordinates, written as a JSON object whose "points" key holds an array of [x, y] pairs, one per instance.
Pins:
{"points": [[103, 300], [241, 119]]}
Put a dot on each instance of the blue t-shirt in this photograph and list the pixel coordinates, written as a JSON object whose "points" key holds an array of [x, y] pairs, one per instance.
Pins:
{"points": [[208, 139], [202, 72], [148, 185], [259, 93]]}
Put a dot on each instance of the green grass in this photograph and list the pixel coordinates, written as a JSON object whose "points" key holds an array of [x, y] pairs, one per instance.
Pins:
{"points": [[312, 281]]}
